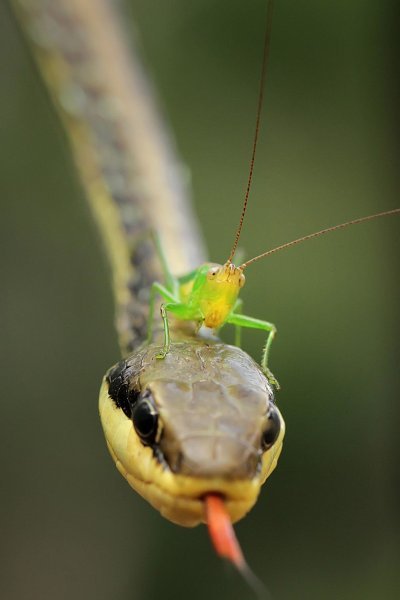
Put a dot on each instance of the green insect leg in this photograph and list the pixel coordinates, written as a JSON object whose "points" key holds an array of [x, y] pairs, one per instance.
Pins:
{"points": [[157, 288], [181, 311], [244, 321], [171, 282]]}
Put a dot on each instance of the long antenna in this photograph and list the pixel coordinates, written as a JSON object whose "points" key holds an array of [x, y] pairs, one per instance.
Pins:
{"points": [[386, 213], [258, 119]]}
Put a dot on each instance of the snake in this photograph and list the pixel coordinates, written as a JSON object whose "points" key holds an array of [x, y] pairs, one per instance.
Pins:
{"points": [[203, 422]]}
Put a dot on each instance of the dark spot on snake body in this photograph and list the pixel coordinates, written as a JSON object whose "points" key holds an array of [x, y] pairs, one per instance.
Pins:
{"points": [[118, 390]]}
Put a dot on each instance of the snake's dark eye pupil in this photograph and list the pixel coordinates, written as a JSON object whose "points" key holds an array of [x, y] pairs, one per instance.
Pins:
{"points": [[145, 421], [272, 428]]}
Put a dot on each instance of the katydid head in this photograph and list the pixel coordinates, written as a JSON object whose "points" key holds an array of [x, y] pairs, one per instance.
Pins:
{"points": [[226, 274]]}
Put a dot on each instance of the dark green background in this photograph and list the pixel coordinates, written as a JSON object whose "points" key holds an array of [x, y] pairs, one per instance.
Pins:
{"points": [[326, 523]]}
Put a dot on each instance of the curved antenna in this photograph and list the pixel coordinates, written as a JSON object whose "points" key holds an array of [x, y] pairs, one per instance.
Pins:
{"points": [[267, 40], [386, 213]]}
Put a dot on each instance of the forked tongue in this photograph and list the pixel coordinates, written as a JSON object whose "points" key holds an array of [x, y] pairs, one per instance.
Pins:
{"points": [[226, 544]]}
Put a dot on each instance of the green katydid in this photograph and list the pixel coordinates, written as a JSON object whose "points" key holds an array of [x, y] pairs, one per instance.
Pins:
{"points": [[209, 295]]}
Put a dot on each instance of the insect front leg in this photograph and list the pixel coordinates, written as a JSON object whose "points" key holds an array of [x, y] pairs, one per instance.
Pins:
{"points": [[244, 321], [157, 288], [180, 310]]}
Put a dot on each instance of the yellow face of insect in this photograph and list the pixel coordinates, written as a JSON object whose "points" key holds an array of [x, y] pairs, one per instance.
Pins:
{"points": [[220, 292], [227, 274]]}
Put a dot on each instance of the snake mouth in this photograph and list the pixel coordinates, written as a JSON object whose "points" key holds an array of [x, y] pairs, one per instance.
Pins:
{"points": [[182, 499], [188, 507]]}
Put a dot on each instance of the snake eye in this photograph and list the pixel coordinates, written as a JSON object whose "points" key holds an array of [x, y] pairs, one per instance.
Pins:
{"points": [[272, 428], [145, 421]]}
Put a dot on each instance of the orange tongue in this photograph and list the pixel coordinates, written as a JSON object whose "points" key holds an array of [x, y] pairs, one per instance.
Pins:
{"points": [[225, 543], [221, 531]]}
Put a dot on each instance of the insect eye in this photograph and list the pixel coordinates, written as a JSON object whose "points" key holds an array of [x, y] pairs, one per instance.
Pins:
{"points": [[145, 421], [272, 428], [212, 272], [242, 280]]}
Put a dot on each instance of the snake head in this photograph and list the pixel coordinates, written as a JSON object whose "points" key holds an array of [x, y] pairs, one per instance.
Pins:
{"points": [[204, 420]]}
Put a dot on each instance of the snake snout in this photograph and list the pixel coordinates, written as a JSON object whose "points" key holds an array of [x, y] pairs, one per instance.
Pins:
{"points": [[217, 456]]}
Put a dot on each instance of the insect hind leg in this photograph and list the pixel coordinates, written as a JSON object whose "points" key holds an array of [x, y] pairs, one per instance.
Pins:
{"points": [[244, 321]]}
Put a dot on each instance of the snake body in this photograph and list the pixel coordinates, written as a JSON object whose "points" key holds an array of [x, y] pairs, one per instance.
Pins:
{"points": [[215, 427]]}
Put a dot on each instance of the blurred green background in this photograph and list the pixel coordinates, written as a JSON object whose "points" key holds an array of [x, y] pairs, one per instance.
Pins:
{"points": [[326, 524]]}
